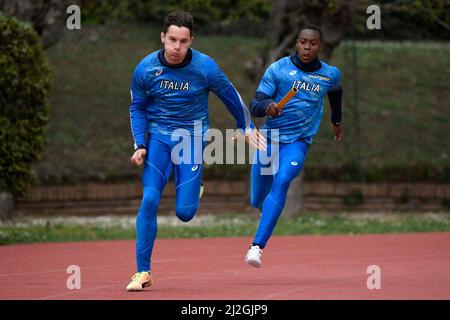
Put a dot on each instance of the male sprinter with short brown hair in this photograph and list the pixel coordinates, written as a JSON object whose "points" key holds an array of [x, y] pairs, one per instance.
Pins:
{"points": [[169, 99]]}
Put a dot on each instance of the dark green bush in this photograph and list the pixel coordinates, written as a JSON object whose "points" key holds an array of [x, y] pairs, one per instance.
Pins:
{"points": [[25, 82]]}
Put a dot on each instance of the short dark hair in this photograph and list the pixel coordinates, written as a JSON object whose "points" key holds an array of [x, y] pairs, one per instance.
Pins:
{"points": [[311, 27], [179, 19]]}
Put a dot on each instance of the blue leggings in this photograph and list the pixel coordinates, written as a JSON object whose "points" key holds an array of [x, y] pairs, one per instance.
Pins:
{"points": [[156, 172], [268, 191]]}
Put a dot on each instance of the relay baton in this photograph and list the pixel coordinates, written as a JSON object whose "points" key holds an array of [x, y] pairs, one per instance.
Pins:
{"points": [[286, 98]]}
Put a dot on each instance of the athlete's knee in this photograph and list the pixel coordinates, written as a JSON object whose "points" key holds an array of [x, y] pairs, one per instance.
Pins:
{"points": [[186, 214], [283, 179], [150, 200]]}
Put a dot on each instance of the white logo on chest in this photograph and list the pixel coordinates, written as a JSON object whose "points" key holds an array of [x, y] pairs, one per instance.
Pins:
{"points": [[174, 85], [301, 85]]}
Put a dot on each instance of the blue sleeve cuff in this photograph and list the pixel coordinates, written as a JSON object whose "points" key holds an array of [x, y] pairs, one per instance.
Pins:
{"points": [[141, 146]]}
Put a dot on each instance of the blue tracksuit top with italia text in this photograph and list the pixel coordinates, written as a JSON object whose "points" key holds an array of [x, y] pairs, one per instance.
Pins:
{"points": [[167, 97], [301, 116]]}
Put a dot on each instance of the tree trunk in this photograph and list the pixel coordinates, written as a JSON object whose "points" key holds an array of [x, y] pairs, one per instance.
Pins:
{"points": [[6, 205], [294, 199]]}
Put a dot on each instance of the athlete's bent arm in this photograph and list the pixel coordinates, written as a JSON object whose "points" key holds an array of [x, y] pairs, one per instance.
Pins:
{"points": [[263, 105]]}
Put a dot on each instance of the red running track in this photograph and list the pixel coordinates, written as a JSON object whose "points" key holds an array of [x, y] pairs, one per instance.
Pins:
{"points": [[413, 266]]}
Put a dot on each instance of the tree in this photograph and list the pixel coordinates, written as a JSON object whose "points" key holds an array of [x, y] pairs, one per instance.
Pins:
{"points": [[47, 17], [25, 83]]}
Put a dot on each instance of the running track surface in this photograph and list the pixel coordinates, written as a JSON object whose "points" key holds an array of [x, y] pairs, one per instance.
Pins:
{"points": [[413, 266]]}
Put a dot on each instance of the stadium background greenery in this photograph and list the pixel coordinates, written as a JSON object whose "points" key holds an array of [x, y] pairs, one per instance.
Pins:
{"points": [[400, 81], [25, 82], [399, 133], [403, 117]]}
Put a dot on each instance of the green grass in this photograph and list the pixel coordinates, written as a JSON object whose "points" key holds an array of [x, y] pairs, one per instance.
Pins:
{"points": [[65, 229], [403, 90]]}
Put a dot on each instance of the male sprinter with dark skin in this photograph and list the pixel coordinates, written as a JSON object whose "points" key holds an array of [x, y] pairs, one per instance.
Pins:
{"points": [[297, 124], [169, 100]]}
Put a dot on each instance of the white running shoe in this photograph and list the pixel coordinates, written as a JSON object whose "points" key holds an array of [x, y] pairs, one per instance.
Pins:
{"points": [[253, 256]]}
